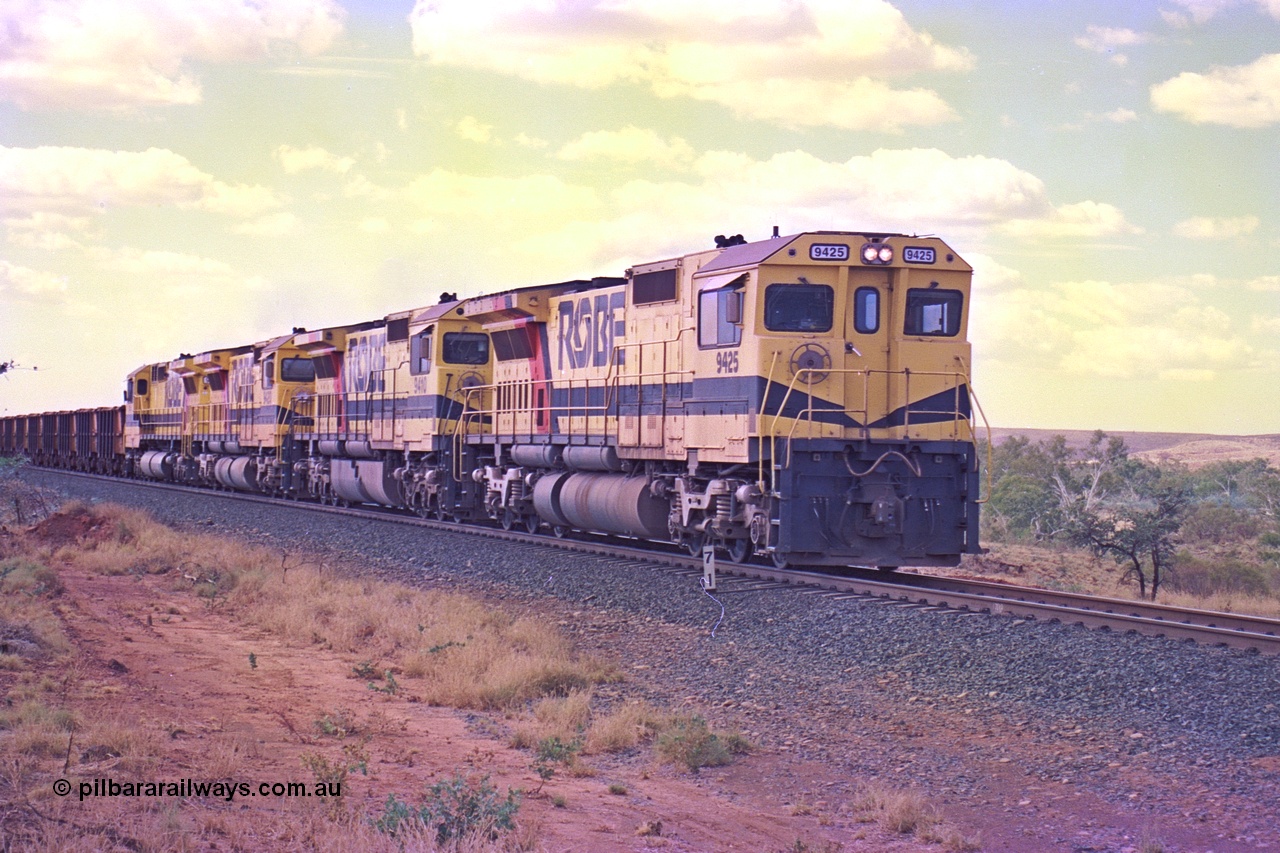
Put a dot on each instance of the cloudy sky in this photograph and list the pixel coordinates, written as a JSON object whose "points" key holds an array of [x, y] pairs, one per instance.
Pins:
{"points": [[177, 176]]}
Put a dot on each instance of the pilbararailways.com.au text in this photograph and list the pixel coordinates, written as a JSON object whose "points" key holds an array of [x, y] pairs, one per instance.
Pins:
{"points": [[226, 790]]}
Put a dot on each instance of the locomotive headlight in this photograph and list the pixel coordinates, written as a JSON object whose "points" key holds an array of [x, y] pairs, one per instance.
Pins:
{"points": [[877, 253]]}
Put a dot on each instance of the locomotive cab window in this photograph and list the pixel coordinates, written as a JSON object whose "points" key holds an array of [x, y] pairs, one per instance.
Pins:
{"points": [[297, 370], [420, 352], [143, 387], [466, 348], [933, 312], [269, 373], [866, 310], [720, 317], [798, 307]]}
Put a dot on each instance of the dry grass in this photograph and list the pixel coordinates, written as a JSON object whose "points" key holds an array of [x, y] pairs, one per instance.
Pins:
{"points": [[1075, 570], [565, 718], [463, 652], [903, 812], [910, 813], [1254, 605], [624, 728], [446, 649], [39, 729], [454, 650]]}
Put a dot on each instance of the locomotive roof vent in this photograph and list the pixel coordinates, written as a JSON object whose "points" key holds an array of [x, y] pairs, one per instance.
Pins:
{"points": [[723, 242]]}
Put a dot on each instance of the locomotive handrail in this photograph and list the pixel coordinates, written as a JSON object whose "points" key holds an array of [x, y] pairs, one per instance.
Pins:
{"points": [[987, 426], [665, 373], [764, 404]]}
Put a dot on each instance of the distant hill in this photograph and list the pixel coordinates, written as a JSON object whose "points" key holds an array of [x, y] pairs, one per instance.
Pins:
{"points": [[1191, 449]]}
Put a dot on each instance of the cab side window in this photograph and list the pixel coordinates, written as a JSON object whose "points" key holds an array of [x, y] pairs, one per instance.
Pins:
{"points": [[933, 312], [420, 352], [720, 317]]}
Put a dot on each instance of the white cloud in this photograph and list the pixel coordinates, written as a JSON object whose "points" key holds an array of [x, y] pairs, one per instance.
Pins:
{"points": [[909, 188], [1209, 228], [523, 203], [1106, 40], [1083, 219], [546, 221], [1121, 115], [1117, 329], [472, 129], [990, 276], [1201, 11], [77, 181], [524, 140], [1266, 284], [47, 231], [271, 225], [159, 262], [630, 145], [124, 54], [27, 285], [1240, 96], [294, 160], [793, 62]]}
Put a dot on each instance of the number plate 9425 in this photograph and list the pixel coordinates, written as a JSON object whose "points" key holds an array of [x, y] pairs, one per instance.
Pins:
{"points": [[829, 252]]}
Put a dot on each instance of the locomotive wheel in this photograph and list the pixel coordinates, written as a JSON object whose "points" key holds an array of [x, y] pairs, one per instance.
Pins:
{"points": [[508, 519], [559, 530], [739, 550], [780, 560], [532, 523], [693, 544]]}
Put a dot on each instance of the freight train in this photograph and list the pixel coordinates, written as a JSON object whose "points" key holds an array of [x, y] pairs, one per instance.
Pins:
{"points": [[804, 398]]}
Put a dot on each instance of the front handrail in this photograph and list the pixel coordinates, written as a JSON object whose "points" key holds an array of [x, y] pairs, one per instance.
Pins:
{"points": [[806, 414]]}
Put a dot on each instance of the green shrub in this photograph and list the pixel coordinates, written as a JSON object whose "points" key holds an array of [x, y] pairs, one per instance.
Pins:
{"points": [[552, 751], [1218, 525], [1205, 577], [454, 809]]}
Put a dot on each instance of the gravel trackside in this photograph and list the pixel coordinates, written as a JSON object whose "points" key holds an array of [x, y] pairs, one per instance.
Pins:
{"points": [[1025, 733]]}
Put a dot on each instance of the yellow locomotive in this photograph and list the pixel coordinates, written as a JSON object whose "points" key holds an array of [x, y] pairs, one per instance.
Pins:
{"points": [[805, 398]]}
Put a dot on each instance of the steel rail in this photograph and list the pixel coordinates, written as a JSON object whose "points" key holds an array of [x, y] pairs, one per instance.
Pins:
{"points": [[1207, 627]]}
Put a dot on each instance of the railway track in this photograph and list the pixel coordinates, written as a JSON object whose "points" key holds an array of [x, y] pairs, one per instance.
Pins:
{"points": [[906, 589]]}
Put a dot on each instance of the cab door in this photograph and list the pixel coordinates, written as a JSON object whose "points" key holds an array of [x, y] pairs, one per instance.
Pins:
{"points": [[868, 343]]}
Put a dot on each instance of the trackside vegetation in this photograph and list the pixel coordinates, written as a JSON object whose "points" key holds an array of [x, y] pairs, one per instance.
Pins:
{"points": [[406, 643], [1210, 533]]}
